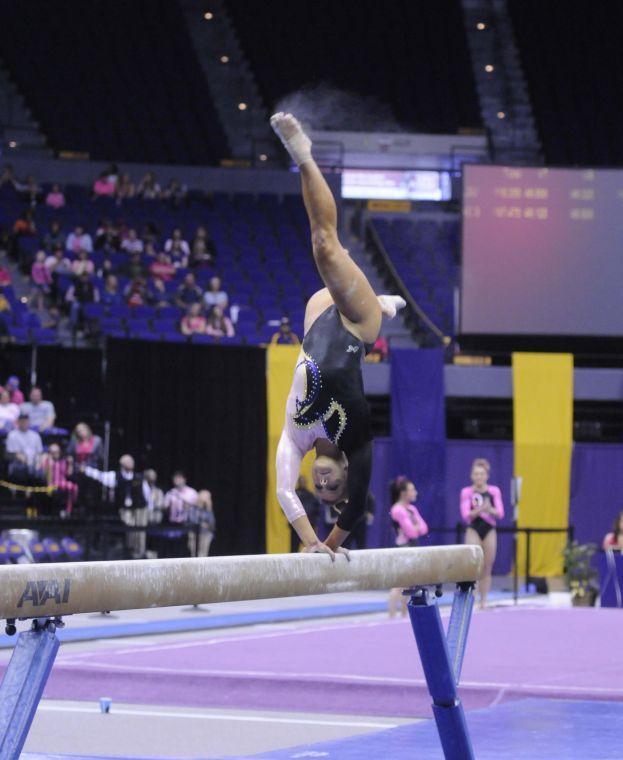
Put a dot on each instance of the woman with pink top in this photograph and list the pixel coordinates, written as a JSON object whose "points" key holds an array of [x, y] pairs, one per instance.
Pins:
{"points": [[481, 507], [41, 280], [409, 526]]}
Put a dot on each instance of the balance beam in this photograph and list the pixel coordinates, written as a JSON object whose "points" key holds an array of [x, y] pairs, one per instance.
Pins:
{"points": [[49, 592], [55, 590]]}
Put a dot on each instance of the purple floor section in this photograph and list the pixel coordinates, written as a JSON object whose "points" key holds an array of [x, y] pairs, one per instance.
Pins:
{"points": [[352, 667]]}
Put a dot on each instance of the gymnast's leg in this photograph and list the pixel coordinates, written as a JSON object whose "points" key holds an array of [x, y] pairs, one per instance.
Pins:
{"points": [[347, 284]]}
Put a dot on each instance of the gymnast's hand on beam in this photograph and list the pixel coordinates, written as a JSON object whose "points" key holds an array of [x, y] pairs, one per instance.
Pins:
{"points": [[319, 548]]}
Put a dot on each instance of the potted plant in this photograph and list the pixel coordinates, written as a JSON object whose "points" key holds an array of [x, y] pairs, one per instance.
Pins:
{"points": [[579, 573]]}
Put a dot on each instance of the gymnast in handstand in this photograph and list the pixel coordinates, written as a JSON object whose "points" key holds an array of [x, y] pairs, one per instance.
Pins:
{"points": [[326, 409]]}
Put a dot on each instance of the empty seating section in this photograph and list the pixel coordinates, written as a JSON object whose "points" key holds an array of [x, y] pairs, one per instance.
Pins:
{"points": [[262, 255], [424, 74], [118, 80], [425, 255], [572, 56]]}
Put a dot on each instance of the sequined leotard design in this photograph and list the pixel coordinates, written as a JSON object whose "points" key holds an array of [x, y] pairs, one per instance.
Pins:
{"points": [[333, 394]]}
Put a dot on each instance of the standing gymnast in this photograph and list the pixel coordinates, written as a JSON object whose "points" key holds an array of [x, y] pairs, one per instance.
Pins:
{"points": [[481, 507], [326, 409]]}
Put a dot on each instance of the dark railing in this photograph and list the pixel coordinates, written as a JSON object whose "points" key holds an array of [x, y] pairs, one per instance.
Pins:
{"points": [[458, 531]]}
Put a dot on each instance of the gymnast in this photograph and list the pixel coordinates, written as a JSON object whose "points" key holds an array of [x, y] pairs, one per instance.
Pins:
{"points": [[326, 409]]}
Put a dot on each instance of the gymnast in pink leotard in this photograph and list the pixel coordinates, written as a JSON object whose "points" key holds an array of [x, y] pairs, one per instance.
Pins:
{"points": [[409, 526], [481, 507]]}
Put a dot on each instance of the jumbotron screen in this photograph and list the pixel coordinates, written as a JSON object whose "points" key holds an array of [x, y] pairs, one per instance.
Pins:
{"points": [[542, 251]]}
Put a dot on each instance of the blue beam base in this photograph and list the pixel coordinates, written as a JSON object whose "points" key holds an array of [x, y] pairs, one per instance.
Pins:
{"points": [[23, 684], [441, 662]]}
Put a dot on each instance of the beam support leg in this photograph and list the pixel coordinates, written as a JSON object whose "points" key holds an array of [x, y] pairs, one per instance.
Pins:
{"points": [[23, 684], [441, 661]]}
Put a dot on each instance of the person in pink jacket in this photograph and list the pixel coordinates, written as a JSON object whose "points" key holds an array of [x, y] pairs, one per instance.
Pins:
{"points": [[409, 526], [481, 507]]}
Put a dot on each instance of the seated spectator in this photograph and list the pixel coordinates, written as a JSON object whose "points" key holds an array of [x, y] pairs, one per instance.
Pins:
{"points": [[175, 193], [42, 413], [83, 291], [219, 325], [136, 292], [79, 240], [107, 236], [126, 189], [150, 233], [110, 295], [157, 293], [53, 320], [177, 243], [133, 267], [104, 186], [214, 295], [176, 253], [202, 236], [285, 335], [82, 264], [29, 190], [614, 539], [5, 277], [85, 447], [12, 386], [57, 265], [188, 292], [55, 198], [57, 470], [55, 236], [150, 250], [24, 225], [180, 499], [7, 177], [200, 257], [132, 243], [24, 449], [162, 267], [41, 279], [193, 323], [9, 412], [148, 188]]}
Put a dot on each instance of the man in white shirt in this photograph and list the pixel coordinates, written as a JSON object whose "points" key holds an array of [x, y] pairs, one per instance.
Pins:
{"points": [[24, 449], [42, 413], [214, 296]]}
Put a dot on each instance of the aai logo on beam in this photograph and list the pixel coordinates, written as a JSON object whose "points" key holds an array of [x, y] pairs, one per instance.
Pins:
{"points": [[37, 593]]}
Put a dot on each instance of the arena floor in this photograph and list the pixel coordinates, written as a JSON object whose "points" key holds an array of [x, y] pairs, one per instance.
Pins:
{"points": [[329, 685]]}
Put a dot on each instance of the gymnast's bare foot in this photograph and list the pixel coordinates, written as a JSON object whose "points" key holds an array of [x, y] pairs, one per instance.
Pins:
{"points": [[291, 134]]}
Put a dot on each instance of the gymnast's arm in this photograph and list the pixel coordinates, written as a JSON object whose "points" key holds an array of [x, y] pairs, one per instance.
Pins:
{"points": [[358, 482], [289, 458]]}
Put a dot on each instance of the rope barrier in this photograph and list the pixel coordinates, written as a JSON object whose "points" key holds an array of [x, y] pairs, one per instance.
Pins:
{"points": [[28, 489]]}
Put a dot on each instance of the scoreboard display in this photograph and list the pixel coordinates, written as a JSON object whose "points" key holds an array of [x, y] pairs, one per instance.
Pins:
{"points": [[542, 251]]}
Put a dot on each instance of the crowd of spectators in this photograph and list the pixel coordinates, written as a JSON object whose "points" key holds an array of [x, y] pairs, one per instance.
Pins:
{"points": [[39, 455]]}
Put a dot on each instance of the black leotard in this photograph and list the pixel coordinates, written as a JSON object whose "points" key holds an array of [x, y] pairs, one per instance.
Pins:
{"points": [[335, 398], [335, 395]]}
